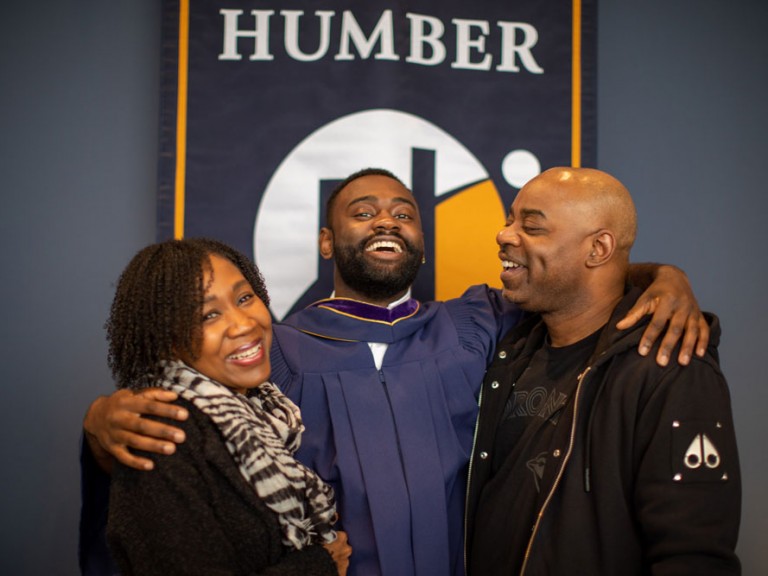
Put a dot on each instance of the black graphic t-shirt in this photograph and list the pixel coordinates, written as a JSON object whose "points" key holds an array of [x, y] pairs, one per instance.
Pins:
{"points": [[523, 449]]}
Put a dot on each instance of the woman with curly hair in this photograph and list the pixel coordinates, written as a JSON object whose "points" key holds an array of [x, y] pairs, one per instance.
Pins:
{"points": [[191, 316]]}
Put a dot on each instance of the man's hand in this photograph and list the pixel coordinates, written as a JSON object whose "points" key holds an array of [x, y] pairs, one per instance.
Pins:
{"points": [[671, 301], [114, 424]]}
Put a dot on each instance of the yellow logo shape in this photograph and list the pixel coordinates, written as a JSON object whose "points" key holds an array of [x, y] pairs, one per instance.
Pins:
{"points": [[466, 252]]}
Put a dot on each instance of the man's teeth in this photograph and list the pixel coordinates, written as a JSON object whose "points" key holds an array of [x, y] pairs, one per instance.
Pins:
{"points": [[385, 245], [250, 353], [507, 264]]}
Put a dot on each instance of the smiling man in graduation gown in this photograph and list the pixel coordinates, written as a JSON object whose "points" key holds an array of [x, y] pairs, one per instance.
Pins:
{"points": [[394, 424]]}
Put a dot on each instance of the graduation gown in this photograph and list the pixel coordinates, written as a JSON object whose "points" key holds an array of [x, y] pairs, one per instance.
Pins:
{"points": [[393, 442]]}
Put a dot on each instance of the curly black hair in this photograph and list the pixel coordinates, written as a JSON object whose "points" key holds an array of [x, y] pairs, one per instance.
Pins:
{"points": [[351, 178], [156, 314]]}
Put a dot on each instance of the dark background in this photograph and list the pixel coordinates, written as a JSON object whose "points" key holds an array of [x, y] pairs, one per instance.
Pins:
{"points": [[682, 120]]}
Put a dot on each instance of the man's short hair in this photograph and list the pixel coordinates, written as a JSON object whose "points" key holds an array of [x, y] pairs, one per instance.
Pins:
{"points": [[351, 178]]}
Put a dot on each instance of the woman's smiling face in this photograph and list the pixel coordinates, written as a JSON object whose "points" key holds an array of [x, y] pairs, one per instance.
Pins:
{"points": [[236, 329]]}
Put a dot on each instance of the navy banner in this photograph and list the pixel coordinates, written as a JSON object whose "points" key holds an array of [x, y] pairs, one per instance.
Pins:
{"points": [[266, 105]]}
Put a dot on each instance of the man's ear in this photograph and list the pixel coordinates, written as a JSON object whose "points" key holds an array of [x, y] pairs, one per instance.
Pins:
{"points": [[325, 243], [603, 248]]}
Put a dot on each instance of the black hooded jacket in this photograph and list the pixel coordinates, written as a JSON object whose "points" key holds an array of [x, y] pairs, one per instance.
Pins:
{"points": [[642, 476]]}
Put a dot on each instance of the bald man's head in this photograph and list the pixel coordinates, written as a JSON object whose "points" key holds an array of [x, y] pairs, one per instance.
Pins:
{"points": [[598, 196]]}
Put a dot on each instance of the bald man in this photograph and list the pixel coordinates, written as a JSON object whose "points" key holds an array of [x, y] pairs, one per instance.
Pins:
{"points": [[589, 458]]}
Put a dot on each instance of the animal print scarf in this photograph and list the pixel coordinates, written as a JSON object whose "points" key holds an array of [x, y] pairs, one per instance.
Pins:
{"points": [[262, 431]]}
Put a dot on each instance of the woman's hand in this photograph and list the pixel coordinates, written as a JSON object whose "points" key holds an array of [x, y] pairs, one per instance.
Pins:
{"points": [[340, 551]]}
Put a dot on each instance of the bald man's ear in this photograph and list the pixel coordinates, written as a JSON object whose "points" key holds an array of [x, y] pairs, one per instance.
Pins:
{"points": [[603, 248], [325, 242]]}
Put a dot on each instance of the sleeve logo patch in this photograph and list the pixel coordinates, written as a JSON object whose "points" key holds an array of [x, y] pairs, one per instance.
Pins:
{"points": [[696, 452], [702, 451]]}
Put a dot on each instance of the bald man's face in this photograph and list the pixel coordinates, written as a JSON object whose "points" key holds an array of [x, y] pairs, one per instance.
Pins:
{"points": [[545, 245]]}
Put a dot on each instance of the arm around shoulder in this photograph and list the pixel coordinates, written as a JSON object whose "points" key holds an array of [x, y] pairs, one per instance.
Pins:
{"points": [[676, 316], [115, 426]]}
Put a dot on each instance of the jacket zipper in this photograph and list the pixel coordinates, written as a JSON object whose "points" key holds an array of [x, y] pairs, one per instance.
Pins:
{"points": [[560, 472], [469, 475]]}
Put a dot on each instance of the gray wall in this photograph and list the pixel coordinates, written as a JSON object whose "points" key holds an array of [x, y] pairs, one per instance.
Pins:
{"points": [[683, 122]]}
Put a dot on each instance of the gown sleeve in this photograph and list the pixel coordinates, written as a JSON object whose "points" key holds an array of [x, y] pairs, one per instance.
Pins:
{"points": [[93, 552]]}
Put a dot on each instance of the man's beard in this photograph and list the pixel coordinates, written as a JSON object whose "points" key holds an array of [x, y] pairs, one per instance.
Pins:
{"points": [[377, 280]]}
